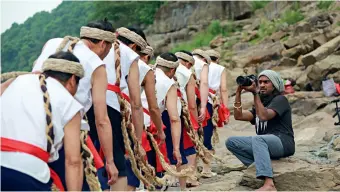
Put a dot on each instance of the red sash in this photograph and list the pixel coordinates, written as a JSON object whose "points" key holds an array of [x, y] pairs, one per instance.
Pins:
{"points": [[19, 146], [98, 160], [223, 115], [212, 91]]}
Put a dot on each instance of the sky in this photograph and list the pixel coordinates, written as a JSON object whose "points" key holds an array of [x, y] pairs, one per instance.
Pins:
{"points": [[20, 10]]}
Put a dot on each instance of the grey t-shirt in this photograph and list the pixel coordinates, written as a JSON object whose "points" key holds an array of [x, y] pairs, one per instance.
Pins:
{"points": [[280, 125]]}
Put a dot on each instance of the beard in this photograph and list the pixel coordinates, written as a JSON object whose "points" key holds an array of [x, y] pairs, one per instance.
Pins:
{"points": [[266, 98]]}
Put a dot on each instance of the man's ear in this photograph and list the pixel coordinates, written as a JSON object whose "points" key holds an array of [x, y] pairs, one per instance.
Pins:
{"points": [[102, 44]]}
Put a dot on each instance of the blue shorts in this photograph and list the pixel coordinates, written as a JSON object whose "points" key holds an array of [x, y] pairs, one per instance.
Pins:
{"points": [[132, 179], [117, 137], [12, 180], [190, 151], [208, 130], [59, 167], [168, 140]]}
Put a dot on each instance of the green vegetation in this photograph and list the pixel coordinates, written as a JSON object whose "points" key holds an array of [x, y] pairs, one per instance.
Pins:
{"points": [[22, 44], [203, 38], [267, 27], [324, 4], [258, 4], [291, 17]]}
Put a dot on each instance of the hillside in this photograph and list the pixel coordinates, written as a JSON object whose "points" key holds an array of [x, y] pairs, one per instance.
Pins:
{"points": [[21, 44]]}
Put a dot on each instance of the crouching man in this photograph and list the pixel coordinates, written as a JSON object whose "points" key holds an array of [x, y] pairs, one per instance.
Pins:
{"points": [[272, 117]]}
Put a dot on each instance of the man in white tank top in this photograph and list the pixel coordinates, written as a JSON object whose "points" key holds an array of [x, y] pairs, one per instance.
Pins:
{"points": [[95, 43], [132, 37], [218, 81], [127, 45], [187, 84], [167, 99], [40, 116], [201, 68]]}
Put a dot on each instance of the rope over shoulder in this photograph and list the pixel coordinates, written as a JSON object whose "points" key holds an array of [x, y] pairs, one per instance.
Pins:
{"points": [[148, 50], [132, 36], [13, 74], [182, 55], [203, 54], [97, 34], [165, 63], [213, 53], [64, 66]]}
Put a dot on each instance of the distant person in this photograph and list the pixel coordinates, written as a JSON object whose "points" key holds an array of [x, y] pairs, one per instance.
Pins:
{"points": [[272, 117]]}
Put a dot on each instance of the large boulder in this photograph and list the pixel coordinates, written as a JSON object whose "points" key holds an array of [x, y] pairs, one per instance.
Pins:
{"points": [[291, 174], [322, 69], [292, 72], [306, 103], [311, 130], [258, 54]]}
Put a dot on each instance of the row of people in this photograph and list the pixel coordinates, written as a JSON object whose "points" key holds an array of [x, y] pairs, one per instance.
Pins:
{"points": [[100, 88]]}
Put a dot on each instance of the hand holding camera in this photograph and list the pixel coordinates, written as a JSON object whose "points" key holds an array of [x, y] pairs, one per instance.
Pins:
{"points": [[248, 83]]}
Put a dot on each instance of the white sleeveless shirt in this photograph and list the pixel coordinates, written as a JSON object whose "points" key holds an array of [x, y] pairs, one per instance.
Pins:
{"points": [[127, 57], [214, 77], [183, 75], [88, 59], [143, 70], [163, 84], [198, 66], [24, 119]]}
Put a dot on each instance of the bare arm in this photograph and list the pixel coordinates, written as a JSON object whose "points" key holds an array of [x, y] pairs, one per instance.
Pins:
{"points": [[171, 105], [73, 164], [224, 88], [262, 112], [190, 90], [155, 113], [204, 88], [240, 114], [136, 103], [104, 129], [5, 85]]}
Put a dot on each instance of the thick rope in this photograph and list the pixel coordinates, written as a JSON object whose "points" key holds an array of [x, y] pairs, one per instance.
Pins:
{"points": [[146, 168], [66, 39], [165, 165], [190, 129], [215, 118], [89, 168], [13, 74], [126, 121], [200, 131], [49, 125]]}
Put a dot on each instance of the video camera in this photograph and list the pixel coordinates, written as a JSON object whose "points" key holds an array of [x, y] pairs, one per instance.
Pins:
{"points": [[246, 80]]}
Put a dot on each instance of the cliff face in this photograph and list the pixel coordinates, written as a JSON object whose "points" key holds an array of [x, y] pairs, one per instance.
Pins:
{"points": [[175, 16], [178, 21]]}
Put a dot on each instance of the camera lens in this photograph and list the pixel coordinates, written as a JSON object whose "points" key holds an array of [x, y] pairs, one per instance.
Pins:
{"points": [[240, 80], [243, 81]]}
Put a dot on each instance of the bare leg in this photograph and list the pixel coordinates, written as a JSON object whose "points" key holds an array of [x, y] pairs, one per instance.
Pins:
{"points": [[206, 172], [182, 180], [192, 163], [131, 188], [268, 185], [120, 185]]}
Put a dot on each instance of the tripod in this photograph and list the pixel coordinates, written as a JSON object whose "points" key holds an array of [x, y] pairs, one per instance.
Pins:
{"points": [[337, 111]]}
